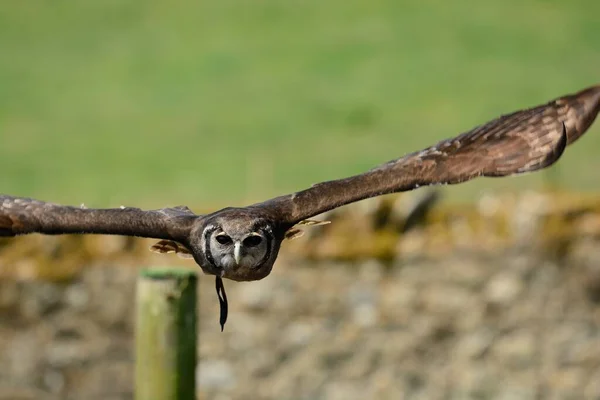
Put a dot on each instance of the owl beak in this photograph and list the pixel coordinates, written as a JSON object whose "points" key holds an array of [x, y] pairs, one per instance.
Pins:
{"points": [[237, 252]]}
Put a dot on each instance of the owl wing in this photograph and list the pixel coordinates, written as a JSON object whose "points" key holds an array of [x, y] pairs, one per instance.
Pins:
{"points": [[523, 141], [20, 216]]}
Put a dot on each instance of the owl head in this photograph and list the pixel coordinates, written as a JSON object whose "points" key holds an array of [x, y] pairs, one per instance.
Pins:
{"points": [[243, 248]]}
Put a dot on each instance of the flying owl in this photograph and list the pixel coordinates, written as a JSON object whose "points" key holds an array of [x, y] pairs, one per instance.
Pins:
{"points": [[242, 244]]}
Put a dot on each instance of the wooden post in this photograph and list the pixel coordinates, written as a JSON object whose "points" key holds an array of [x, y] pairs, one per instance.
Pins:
{"points": [[165, 335]]}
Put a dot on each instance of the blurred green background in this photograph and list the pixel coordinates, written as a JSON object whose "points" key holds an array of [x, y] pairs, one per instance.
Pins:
{"points": [[225, 102]]}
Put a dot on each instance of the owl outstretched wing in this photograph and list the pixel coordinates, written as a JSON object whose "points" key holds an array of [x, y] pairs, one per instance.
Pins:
{"points": [[19, 216], [523, 141]]}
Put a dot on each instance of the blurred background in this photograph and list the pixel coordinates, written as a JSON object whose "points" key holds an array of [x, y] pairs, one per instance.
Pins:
{"points": [[222, 103], [229, 101]]}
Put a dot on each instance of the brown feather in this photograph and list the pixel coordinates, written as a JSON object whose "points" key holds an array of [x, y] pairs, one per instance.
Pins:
{"points": [[523, 141], [20, 215], [295, 233], [170, 246], [312, 222]]}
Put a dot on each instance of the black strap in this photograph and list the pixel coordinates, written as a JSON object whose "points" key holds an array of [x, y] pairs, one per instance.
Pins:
{"points": [[222, 301]]}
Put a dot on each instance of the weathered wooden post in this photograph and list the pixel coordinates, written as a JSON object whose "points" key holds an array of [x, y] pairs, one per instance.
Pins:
{"points": [[165, 334]]}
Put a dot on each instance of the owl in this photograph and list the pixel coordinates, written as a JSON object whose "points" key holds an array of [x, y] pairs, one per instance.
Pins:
{"points": [[242, 244]]}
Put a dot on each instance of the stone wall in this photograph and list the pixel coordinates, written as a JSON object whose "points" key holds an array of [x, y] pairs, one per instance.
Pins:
{"points": [[511, 326]]}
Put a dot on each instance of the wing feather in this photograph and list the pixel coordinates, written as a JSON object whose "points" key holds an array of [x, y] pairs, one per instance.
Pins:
{"points": [[19, 216], [519, 142]]}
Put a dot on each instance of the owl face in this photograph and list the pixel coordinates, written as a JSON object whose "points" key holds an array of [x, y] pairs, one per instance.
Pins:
{"points": [[239, 249], [231, 250]]}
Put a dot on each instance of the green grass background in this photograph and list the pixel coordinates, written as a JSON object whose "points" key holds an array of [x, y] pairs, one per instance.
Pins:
{"points": [[224, 102]]}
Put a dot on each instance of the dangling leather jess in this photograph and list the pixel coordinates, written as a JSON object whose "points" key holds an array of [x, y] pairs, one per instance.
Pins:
{"points": [[222, 301]]}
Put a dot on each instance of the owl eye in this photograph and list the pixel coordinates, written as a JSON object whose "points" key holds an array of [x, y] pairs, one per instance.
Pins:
{"points": [[223, 239], [252, 241]]}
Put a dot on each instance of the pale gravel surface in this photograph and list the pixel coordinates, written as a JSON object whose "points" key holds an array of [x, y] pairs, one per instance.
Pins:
{"points": [[508, 325]]}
